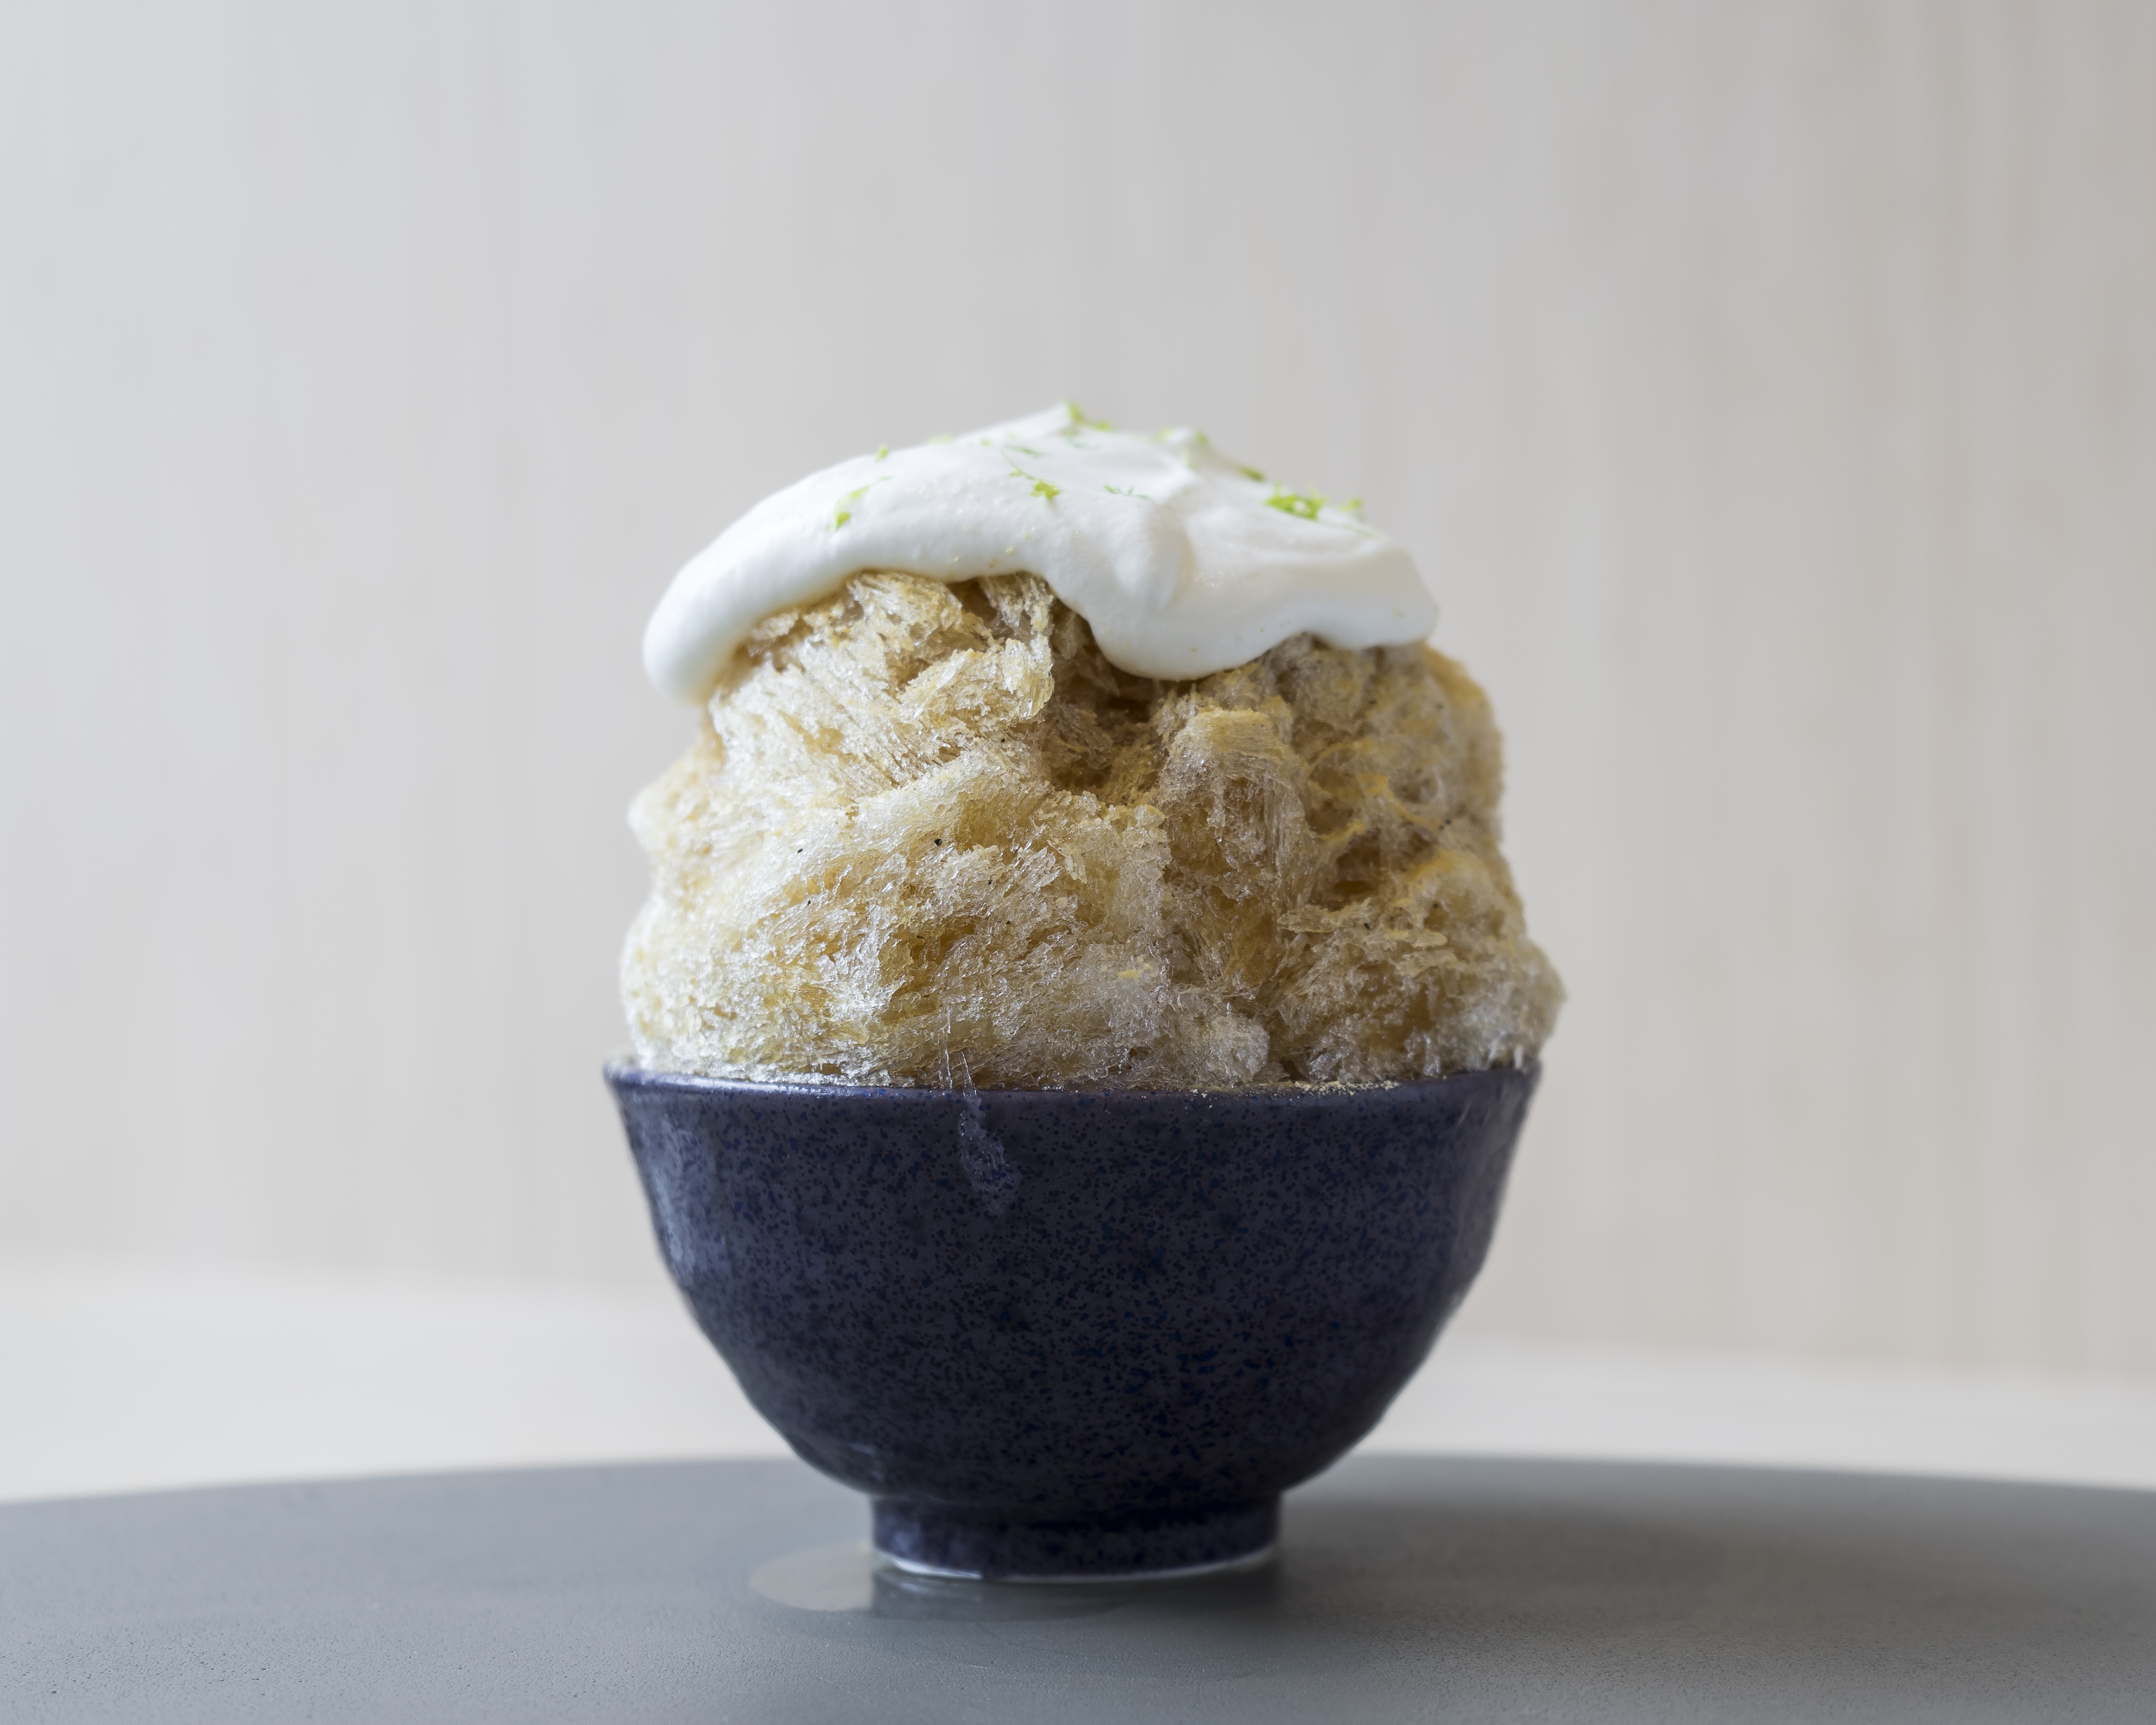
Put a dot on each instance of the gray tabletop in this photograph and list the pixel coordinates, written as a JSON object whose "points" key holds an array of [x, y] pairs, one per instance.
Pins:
{"points": [[1408, 1589]]}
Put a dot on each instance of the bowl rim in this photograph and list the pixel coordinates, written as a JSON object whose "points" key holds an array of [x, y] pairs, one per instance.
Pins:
{"points": [[621, 1072]]}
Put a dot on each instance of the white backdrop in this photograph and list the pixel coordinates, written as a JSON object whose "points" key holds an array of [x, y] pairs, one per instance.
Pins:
{"points": [[1769, 391]]}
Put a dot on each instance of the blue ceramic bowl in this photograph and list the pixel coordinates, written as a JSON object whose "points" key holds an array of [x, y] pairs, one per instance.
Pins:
{"points": [[1072, 1334]]}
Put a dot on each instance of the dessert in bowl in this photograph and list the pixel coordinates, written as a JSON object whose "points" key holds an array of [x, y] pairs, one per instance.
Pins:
{"points": [[1082, 1016]]}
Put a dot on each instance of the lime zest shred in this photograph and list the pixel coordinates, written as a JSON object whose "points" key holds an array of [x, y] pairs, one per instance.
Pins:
{"points": [[843, 514], [1041, 488], [1080, 422], [1303, 505]]}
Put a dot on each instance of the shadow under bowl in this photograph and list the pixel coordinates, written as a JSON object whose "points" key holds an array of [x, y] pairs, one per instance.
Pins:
{"points": [[1072, 1334]]}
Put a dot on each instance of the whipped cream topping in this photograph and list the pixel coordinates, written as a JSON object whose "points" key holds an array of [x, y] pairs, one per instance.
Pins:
{"points": [[1183, 562]]}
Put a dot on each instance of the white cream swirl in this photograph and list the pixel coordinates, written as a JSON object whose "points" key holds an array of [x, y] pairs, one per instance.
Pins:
{"points": [[1183, 562]]}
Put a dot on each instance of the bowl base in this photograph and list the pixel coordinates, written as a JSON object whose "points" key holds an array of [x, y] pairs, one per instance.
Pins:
{"points": [[928, 1539]]}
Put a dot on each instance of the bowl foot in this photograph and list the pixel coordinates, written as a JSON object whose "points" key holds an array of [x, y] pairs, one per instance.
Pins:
{"points": [[927, 1539]]}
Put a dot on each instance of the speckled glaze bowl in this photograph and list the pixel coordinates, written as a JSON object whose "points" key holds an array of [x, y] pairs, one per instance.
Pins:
{"points": [[1072, 1334]]}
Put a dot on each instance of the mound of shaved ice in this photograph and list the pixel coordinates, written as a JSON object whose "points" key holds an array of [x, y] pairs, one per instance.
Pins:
{"points": [[929, 835]]}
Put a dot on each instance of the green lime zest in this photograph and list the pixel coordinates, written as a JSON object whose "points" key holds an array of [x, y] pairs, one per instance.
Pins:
{"points": [[1041, 488], [844, 514], [1303, 505]]}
